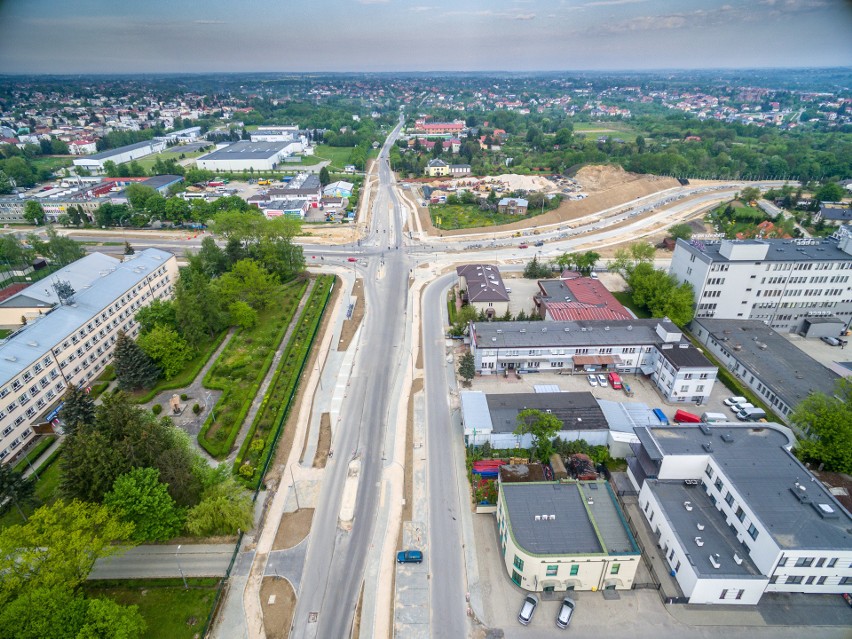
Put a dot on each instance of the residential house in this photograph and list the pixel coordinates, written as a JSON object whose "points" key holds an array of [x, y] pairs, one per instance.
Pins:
{"points": [[512, 206]]}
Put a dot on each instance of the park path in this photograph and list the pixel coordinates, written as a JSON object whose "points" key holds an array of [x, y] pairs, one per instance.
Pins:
{"points": [[261, 393]]}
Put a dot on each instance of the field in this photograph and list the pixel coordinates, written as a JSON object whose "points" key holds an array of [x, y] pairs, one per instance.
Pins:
{"points": [[604, 128], [241, 367], [339, 155], [169, 610], [52, 162], [172, 153], [467, 216]]}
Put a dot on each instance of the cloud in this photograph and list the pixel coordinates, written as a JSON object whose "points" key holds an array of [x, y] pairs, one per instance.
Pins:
{"points": [[488, 13], [421, 8], [524, 16]]}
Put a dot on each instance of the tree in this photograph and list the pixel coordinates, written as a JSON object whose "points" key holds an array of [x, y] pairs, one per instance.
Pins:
{"points": [[139, 194], [247, 282], [626, 259], [543, 428], [681, 231], [242, 315], [34, 213], [106, 619], [160, 312], [16, 488], [198, 310], [78, 409], [467, 368], [134, 368], [826, 423], [12, 251], [224, 509], [661, 293], [43, 613], [830, 192], [211, 259], [749, 194], [142, 500], [536, 270], [324, 176], [128, 250], [58, 546], [5, 183], [169, 350]]}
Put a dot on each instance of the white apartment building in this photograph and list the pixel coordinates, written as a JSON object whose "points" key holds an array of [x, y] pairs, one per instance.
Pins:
{"points": [[71, 343], [653, 347], [735, 514], [781, 282]]}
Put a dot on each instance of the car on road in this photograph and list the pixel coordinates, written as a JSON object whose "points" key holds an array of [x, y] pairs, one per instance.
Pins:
{"points": [[352, 259], [593, 381], [566, 611], [409, 557], [539, 243], [831, 341], [528, 609], [734, 400], [602, 380], [523, 245]]}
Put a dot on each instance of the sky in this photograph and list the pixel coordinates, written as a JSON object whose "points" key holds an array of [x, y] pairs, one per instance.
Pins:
{"points": [[189, 36]]}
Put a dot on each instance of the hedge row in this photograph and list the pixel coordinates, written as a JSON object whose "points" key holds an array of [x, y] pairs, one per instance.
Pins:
{"points": [[258, 445], [237, 373]]}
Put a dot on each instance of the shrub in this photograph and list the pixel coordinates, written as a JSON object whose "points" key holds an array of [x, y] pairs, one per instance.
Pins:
{"points": [[157, 409], [196, 409], [184, 397], [247, 471]]}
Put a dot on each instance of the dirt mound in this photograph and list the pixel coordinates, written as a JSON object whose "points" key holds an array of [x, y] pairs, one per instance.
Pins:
{"points": [[603, 177]]}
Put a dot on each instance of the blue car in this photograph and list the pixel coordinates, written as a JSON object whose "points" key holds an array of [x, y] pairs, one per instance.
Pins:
{"points": [[409, 557]]}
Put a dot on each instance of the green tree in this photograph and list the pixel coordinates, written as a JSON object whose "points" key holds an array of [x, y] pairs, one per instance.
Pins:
{"points": [[198, 309], [826, 422], [12, 251], [247, 282], [661, 293], [5, 183], [536, 270], [224, 509], [34, 213], [58, 546], [78, 409], [681, 231], [140, 498], [110, 168], [177, 210], [169, 350], [139, 194], [160, 312], [626, 259], [134, 367], [543, 428], [212, 260], [43, 613], [106, 619], [324, 176], [749, 194], [128, 250], [16, 488], [467, 368], [830, 192], [242, 315]]}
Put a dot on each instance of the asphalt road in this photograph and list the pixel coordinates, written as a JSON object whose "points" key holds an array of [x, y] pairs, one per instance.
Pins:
{"points": [[335, 562], [188, 560]]}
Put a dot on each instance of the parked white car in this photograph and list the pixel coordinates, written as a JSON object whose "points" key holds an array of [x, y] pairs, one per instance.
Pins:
{"points": [[593, 381], [734, 400], [602, 381]]}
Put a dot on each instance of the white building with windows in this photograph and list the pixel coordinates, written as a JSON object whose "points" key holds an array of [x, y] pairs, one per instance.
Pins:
{"points": [[71, 343], [246, 156], [735, 514], [781, 282], [653, 347]]}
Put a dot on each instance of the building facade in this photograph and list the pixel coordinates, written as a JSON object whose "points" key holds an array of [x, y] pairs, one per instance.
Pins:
{"points": [[95, 163], [653, 347], [70, 344], [736, 514], [567, 535], [245, 156], [781, 282]]}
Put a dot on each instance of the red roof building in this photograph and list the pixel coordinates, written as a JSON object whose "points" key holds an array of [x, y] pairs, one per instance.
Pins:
{"points": [[576, 298]]}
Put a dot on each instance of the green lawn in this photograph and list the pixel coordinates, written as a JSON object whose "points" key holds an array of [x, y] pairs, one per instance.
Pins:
{"points": [[52, 162], [467, 216], [172, 153], [626, 299], [339, 155], [47, 492], [170, 611], [4, 333]]}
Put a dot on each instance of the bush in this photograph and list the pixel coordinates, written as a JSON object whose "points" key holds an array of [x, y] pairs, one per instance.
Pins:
{"points": [[157, 409], [196, 409], [184, 397]]}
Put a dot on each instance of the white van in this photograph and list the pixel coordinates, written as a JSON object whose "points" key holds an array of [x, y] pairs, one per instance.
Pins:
{"points": [[713, 418], [751, 414]]}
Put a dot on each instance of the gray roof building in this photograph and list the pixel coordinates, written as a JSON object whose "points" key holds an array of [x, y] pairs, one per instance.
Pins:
{"points": [[577, 411], [587, 518], [765, 360], [580, 333], [111, 153], [245, 150], [483, 283]]}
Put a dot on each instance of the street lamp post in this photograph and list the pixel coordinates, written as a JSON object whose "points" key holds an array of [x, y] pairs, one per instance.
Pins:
{"points": [[180, 570], [295, 489]]}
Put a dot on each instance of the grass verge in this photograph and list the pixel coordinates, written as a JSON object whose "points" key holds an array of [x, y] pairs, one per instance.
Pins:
{"points": [[24, 462], [626, 300], [241, 367], [465, 216], [46, 492], [258, 443], [169, 610]]}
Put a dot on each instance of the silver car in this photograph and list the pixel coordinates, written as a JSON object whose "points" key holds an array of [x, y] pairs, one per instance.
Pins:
{"points": [[528, 609], [566, 611]]}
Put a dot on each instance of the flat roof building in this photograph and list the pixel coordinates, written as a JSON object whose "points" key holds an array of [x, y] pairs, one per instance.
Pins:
{"points": [[122, 154], [765, 361], [737, 515], [245, 155], [567, 535], [71, 342]]}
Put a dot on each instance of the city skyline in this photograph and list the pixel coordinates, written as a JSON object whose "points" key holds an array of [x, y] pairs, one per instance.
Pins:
{"points": [[96, 36]]}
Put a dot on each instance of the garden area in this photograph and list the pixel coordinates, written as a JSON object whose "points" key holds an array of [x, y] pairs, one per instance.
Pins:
{"points": [[467, 216], [241, 367], [169, 609], [260, 441]]}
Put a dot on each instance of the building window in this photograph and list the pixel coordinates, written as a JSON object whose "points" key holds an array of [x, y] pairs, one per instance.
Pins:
{"points": [[832, 562], [740, 513], [821, 581], [729, 499], [782, 562], [752, 531], [718, 484], [551, 571], [708, 471], [518, 563], [575, 569], [820, 562], [810, 580], [614, 569], [804, 562], [773, 579], [794, 579]]}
